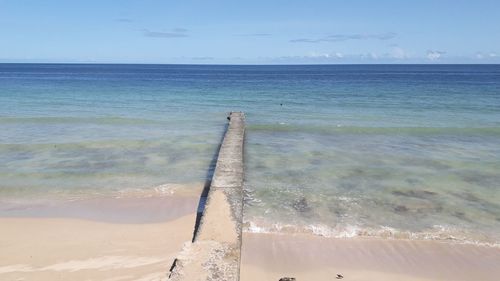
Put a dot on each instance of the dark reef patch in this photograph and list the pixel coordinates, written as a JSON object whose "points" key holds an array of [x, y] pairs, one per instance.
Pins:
{"points": [[420, 194], [301, 205], [401, 209]]}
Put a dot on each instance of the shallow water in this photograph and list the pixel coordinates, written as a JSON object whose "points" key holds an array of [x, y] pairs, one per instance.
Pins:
{"points": [[399, 151]]}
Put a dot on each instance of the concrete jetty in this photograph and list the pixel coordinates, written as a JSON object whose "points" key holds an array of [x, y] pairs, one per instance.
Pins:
{"points": [[214, 253]]}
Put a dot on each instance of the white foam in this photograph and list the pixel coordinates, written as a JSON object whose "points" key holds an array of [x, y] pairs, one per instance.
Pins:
{"points": [[437, 233], [253, 228], [165, 189]]}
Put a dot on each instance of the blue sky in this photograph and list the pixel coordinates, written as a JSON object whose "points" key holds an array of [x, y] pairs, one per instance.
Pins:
{"points": [[253, 32]]}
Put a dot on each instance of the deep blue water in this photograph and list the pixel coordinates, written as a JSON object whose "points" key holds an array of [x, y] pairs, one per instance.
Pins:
{"points": [[408, 151]]}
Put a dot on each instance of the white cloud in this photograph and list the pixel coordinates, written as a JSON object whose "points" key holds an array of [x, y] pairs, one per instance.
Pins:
{"points": [[339, 55], [336, 55], [398, 53], [481, 55], [173, 33], [434, 55]]}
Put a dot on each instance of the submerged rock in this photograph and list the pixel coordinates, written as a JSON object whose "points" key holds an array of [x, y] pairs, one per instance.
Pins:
{"points": [[470, 197], [301, 205], [413, 181], [420, 194], [461, 215], [401, 209]]}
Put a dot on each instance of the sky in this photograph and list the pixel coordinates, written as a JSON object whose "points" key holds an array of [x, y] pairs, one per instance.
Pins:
{"points": [[250, 32]]}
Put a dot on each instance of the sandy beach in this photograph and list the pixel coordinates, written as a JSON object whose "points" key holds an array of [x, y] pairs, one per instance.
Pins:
{"points": [[84, 249], [97, 239], [307, 257]]}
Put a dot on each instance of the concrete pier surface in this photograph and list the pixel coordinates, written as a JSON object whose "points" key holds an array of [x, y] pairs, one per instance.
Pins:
{"points": [[216, 248]]}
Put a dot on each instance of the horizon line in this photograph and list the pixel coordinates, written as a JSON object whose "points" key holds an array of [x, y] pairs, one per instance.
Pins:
{"points": [[246, 64]]}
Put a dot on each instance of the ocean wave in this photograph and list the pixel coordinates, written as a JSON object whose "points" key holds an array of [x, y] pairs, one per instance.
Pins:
{"points": [[442, 233], [341, 129]]}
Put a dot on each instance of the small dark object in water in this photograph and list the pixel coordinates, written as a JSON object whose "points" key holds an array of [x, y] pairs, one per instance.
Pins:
{"points": [[228, 118], [288, 279], [460, 215], [281, 104], [301, 205], [401, 209], [339, 276]]}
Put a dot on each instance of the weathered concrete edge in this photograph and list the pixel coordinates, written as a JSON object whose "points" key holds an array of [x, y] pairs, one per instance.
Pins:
{"points": [[216, 250], [228, 178], [229, 170]]}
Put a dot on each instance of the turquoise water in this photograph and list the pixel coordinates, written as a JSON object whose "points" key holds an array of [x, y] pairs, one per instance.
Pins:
{"points": [[400, 151]]}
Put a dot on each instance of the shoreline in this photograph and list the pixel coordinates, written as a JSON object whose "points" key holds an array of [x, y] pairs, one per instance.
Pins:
{"points": [[76, 249], [111, 210], [309, 257], [384, 233], [137, 237], [162, 204]]}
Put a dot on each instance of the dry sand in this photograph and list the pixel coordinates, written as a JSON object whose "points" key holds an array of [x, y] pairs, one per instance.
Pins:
{"points": [[72, 249], [111, 239], [307, 257]]}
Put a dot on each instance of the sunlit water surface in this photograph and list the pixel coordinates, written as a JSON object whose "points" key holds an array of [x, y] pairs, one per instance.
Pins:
{"points": [[395, 151]]}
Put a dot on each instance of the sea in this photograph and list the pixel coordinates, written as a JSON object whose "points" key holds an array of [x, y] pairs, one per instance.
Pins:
{"points": [[390, 151]]}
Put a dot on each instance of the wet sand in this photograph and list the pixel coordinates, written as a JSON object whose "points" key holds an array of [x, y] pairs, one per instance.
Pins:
{"points": [[307, 257], [96, 239], [112, 210], [164, 203]]}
